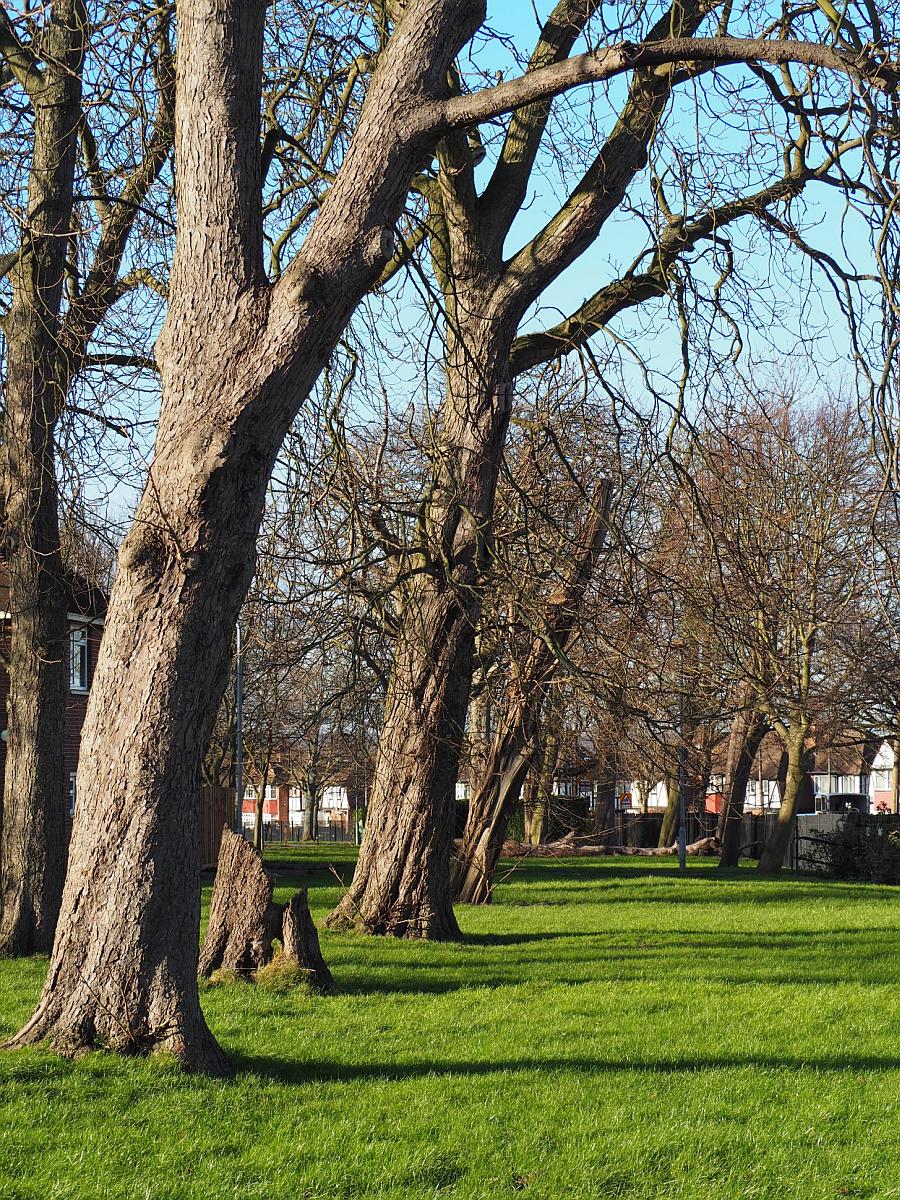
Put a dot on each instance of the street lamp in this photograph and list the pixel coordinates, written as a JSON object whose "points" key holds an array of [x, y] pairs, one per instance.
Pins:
{"points": [[682, 767], [239, 733]]}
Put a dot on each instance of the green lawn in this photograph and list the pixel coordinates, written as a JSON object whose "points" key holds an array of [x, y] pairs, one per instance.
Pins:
{"points": [[608, 1029]]}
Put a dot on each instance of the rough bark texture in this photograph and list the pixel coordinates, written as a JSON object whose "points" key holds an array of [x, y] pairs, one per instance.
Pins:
{"points": [[401, 884], [668, 831], [237, 357], [747, 732], [46, 352], [515, 742], [33, 842], [300, 942], [772, 858], [242, 917]]}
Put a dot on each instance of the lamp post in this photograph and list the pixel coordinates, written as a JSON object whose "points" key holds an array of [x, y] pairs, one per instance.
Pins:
{"points": [[239, 734], [682, 772]]}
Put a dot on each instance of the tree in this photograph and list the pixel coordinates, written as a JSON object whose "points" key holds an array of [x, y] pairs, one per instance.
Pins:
{"points": [[401, 884], [237, 357], [53, 315]]}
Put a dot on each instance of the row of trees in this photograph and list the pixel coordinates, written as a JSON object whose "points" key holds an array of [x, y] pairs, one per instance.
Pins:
{"points": [[321, 153]]}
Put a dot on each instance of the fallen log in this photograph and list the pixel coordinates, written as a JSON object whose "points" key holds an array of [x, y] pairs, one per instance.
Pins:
{"points": [[569, 848]]}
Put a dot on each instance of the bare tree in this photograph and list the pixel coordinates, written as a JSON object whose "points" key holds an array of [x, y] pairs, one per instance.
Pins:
{"points": [[237, 356], [401, 882], [53, 315]]}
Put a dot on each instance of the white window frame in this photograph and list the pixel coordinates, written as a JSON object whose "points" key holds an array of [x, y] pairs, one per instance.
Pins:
{"points": [[72, 793], [79, 643]]}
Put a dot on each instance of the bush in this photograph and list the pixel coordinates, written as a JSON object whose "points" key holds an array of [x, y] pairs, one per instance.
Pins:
{"points": [[862, 847]]}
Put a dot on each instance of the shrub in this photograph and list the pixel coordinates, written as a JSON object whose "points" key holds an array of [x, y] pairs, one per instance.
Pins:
{"points": [[862, 847]]}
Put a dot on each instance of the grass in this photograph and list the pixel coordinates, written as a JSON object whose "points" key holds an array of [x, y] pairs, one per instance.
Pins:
{"points": [[607, 1030]]}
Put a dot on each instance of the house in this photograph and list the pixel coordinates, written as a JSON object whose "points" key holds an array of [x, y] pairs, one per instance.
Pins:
{"points": [[285, 803], [86, 614], [87, 607]]}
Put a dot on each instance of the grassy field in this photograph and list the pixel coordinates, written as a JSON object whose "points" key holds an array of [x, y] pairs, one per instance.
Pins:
{"points": [[607, 1029]]}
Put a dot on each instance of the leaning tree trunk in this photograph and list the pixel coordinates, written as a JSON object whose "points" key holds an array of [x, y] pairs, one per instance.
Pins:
{"points": [[513, 746], [747, 732], [490, 809], [33, 841], [236, 357], [402, 881], [772, 858]]}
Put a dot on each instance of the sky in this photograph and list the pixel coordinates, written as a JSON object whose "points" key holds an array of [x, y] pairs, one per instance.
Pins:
{"points": [[771, 342]]}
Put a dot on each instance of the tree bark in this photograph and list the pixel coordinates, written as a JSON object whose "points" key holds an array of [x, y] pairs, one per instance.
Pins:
{"points": [[668, 831], [772, 858], [237, 357], [300, 941], [34, 807], [748, 729], [514, 744], [402, 881], [242, 918]]}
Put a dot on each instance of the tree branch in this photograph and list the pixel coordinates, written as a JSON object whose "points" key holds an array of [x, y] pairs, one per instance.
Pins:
{"points": [[460, 111]]}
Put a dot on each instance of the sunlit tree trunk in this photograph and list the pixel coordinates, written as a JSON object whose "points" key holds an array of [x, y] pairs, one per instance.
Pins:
{"points": [[33, 842]]}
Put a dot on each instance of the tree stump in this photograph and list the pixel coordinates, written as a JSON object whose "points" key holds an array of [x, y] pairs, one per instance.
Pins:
{"points": [[242, 917], [300, 942]]}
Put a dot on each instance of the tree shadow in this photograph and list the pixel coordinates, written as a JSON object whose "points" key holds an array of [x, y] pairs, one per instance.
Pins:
{"points": [[296, 1072]]}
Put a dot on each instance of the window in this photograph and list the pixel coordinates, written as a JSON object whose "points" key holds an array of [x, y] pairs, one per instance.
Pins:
{"points": [[72, 794], [271, 791], [78, 660], [882, 780]]}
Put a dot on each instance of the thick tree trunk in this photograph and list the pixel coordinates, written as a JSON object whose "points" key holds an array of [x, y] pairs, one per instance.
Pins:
{"points": [[668, 831], [748, 729], [605, 800], [402, 881], [772, 858], [237, 357], [32, 853]]}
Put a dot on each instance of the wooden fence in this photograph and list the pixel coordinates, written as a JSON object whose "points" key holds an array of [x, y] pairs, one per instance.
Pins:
{"points": [[216, 811]]}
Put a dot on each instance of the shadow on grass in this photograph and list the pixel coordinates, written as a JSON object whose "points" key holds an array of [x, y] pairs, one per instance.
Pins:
{"points": [[283, 1071]]}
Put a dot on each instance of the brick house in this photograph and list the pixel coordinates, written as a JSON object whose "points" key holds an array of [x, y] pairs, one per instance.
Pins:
{"points": [[87, 613]]}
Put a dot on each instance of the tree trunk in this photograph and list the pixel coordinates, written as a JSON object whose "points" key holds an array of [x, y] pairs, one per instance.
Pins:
{"points": [[237, 357], [668, 831], [300, 942], [531, 785], [311, 812], [604, 812], [540, 818], [258, 804], [34, 794], [402, 881], [513, 746], [772, 858], [490, 808], [747, 732], [242, 918]]}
